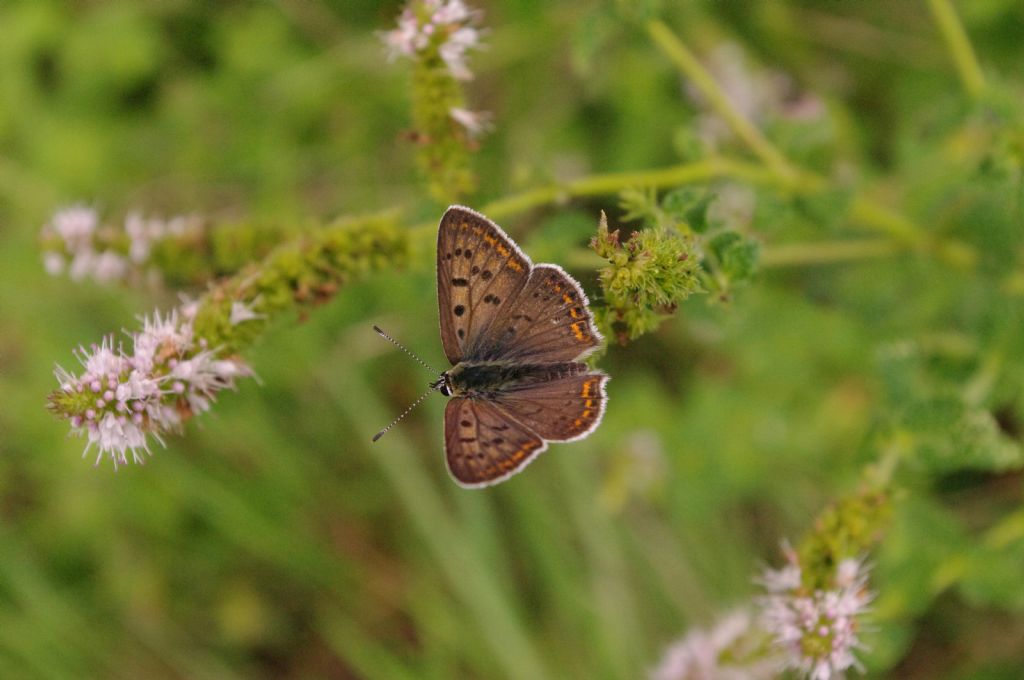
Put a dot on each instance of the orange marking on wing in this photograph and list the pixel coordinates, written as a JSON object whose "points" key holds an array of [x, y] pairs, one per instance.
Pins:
{"points": [[577, 423], [589, 403], [586, 414], [477, 229], [514, 265], [502, 250], [577, 332], [586, 388]]}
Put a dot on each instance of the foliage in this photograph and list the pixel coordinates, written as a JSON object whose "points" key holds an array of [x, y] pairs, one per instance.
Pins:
{"points": [[813, 284]]}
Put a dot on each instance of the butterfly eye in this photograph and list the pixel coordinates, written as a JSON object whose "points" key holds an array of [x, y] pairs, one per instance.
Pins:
{"points": [[444, 386]]}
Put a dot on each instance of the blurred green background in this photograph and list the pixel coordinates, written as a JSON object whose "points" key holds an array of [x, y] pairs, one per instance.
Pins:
{"points": [[272, 540]]}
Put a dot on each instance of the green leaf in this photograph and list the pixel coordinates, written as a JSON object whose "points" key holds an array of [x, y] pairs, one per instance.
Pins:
{"points": [[735, 255], [948, 435]]}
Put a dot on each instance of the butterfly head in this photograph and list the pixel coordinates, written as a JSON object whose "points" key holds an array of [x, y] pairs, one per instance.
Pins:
{"points": [[444, 384]]}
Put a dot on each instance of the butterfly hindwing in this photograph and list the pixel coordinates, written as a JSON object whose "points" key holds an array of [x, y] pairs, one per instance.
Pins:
{"points": [[549, 321], [563, 409], [480, 272], [483, 445]]}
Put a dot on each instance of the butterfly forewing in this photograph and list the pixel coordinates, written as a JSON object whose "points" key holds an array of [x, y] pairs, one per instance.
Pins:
{"points": [[559, 410], [483, 445], [480, 272], [549, 321]]}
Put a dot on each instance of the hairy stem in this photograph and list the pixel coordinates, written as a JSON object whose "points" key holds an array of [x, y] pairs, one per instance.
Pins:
{"points": [[688, 64], [611, 183], [960, 49]]}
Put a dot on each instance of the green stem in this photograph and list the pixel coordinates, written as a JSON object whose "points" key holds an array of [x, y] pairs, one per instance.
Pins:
{"points": [[688, 64], [863, 210], [886, 220], [964, 58], [599, 185]]}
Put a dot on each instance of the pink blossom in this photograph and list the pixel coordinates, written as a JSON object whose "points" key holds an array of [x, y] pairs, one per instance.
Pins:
{"points": [[817, 630], [444, 25], [168, 376]]}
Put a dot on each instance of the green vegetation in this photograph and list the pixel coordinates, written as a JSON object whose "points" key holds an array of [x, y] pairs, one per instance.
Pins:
{"points": [[811, 279]]}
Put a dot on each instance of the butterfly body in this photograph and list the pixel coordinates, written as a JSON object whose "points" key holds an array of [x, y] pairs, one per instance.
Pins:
{"points": [[488, 379], [514, 333]]}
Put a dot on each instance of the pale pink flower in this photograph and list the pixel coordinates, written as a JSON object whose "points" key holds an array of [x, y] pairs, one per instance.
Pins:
{"points": [[731, 650], [108, 266], [817, 630], [142, 233], [116, 435], [445, 25], [453, 51], [54, 263], [189, 306], [407, 39], [75, 224], [450, 12], [82, 264], [242, 312], [147, 393], [76, 244], [476, 123]]}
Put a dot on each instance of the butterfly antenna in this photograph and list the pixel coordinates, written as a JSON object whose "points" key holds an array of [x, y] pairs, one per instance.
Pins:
{"points": [[399, 345], [404, 413]]}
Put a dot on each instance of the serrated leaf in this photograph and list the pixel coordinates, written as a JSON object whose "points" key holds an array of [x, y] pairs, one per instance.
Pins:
{"points": [[689, 206], [948, 435], [736, 256]]}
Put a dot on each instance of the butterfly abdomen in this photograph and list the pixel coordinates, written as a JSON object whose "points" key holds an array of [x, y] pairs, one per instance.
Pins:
{"points": [[469, 378]]}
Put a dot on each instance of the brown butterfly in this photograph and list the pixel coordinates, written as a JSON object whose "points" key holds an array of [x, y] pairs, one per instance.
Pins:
{"points": [[514, 333]]}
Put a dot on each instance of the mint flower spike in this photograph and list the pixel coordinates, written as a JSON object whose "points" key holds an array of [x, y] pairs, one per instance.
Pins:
{"points": [[70, 244], [733, 649], [436, 36], [444, 26], [77, 243], [816, 629], [475, 123], [122, 399]]}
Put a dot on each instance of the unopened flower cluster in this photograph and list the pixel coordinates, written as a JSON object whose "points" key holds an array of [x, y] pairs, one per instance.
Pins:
{"points": [[122, 398], [817, 629], [74, 241]]}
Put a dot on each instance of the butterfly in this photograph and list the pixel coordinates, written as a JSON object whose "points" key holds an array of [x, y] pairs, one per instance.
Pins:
{"points": [[514, 333]]}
